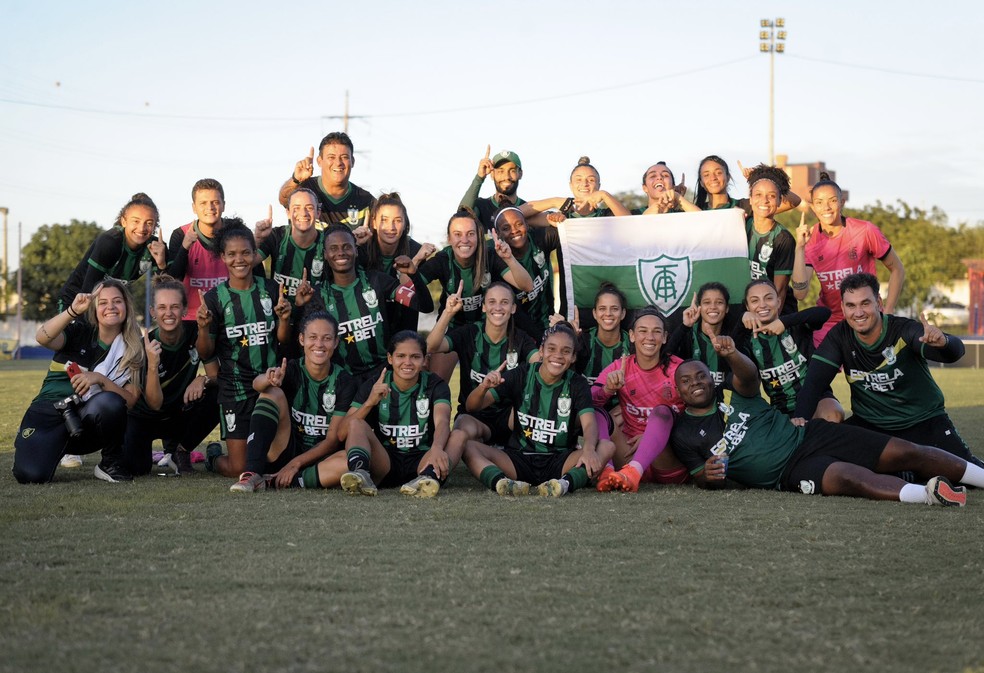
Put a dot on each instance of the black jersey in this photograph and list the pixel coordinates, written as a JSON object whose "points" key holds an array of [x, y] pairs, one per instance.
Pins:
{"points": [[315, 404], [83, 347], [402, 317], [177, 369], [107, 256], [772, 254], [782, 360], [244, 328], [485, 209], [351, 210], [891, 386], [546, 418], [593, 356], [690, 343], [444, 268], [288, 260], [404, 421], [364, 326], [538, 303], [478, 355]]}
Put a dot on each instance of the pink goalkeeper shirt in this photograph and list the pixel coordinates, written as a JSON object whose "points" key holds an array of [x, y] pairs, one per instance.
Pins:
{"points": [[644, 390]]}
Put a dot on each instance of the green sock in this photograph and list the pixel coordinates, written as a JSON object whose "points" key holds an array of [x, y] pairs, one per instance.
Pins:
{"points": [[309, 477], [577, 477], [490, 476], [358, 459]]}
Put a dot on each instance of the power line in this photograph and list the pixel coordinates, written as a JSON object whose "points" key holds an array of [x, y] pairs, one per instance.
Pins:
{"points": [[890, 71]]}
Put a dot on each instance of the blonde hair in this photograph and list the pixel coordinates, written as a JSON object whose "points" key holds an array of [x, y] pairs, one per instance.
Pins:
{"points": [[133, 354]]}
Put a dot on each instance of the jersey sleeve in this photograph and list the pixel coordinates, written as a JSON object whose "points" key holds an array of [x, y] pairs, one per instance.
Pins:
{"points": [[599, 395], [440, 391], [459, 339], [104, 255], [435, 268], [581, 395], [692, 455], [876, 242], [784, 253], [511, 388], [212, 304], [268, 248], [292, 379], [345, 391]]}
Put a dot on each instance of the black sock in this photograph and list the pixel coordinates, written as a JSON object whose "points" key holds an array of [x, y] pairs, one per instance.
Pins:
{"points": [[263, 426], [358, 459]]}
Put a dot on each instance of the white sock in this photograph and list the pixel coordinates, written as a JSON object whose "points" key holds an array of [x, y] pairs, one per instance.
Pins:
{"points": [[974, 476], [914, 493], [637, 465]]}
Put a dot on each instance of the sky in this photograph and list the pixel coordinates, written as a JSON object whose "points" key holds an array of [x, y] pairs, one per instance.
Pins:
{"points": [[104, 99]]}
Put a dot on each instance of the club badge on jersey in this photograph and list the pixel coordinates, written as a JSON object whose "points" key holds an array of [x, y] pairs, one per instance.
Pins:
{"points": [[328, 402]]}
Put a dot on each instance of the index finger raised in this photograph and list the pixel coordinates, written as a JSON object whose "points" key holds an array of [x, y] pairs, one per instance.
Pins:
{"points": [[488, 151]]}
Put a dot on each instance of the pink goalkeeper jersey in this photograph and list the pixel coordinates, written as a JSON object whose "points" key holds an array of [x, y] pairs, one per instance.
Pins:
{"points": [[644, 390], [205, 271], [854, 251]]}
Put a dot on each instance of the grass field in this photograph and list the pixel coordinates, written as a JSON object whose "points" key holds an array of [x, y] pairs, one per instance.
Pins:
{"points": [[178, 574]]}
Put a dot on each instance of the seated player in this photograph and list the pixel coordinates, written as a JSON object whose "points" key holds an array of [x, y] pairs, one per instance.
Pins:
{"points": [[483, 347], [178, 406], [647, 397], [884, 361], [296, 418], [551, 409], [397, 431], [756, 445], [709, 315], [781, 346], [606, 342]]}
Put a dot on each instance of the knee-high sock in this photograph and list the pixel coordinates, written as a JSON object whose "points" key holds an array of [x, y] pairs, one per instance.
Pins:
{"points": [[601, 420], [654, 438], [263, 426]]}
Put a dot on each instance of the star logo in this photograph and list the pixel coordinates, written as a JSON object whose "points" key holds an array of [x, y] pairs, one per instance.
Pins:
{"points": [[774, 383], [350, 339], [527, 433], [244, 342]]}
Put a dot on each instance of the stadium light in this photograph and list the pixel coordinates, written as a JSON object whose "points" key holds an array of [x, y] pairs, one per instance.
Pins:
{"points": [[772, 42]]}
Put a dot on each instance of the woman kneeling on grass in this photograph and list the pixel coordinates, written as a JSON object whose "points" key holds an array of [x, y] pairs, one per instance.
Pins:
{"points": [[397, 431], [647, 395], [551, 409], [296, 419], [93, 378]]}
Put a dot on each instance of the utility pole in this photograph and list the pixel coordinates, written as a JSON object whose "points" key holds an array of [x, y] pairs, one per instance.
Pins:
{"points": [[345, 116], [3, 262], [20, 289], [772, 42]]}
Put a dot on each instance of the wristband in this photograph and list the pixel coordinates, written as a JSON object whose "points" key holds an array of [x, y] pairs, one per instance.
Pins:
{"points": [[71, 314], [296, 181]]}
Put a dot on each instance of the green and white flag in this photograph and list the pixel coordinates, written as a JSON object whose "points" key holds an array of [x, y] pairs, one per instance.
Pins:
{"points": [[657, 260]]}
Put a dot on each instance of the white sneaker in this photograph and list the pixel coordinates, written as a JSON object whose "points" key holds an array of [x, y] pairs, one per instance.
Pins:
{"points": [[70, 460]]}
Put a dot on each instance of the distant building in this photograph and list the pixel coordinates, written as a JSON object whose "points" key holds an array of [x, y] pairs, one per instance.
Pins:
{"points": [[802, 177], [975, 276]]}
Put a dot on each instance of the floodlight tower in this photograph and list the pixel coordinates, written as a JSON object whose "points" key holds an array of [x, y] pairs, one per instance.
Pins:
{"points": [[772, 42]]}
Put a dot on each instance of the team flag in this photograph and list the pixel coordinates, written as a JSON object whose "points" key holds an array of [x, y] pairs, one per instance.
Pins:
{"points": [[657, 260]]}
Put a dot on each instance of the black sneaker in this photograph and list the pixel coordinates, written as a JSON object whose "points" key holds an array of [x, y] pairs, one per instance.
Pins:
{"points": [[182, 459], [111, 472]]}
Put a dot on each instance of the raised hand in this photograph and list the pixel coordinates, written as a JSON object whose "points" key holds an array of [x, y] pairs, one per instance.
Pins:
{"points": [[454, 303], [362, 234], [616, 378], [681, 189], [304, 168], [494, 377], [485, 164], [744, 171], [282, 308], [691, 314], [275, 375], [803, 232], [304, 291], [153, 351], [404, 264], [190, 236], [932, 335], [81, 303], [203, 316], [723, 345], [751, 322], [263, 228], [380, 389], [555, 218], [502, 248], [157, 249]]}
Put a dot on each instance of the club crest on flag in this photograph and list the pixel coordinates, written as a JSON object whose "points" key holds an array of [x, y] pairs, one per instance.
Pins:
{"points": [[664, 281]]}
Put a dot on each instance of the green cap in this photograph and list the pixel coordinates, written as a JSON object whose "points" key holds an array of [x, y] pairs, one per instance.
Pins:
{"points": [[506, 156]]}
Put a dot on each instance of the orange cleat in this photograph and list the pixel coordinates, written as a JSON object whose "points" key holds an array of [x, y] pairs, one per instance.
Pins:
{"points": [[627, 480], [605, 479]]}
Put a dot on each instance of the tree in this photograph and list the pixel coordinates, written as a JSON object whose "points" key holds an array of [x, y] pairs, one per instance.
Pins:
{"points": [[48, 260], [632, 199]]}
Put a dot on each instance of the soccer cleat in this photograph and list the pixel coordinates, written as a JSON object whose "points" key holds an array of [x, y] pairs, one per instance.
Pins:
{"points": [[182, 461], [626, 480], [508, 486], [249, 482], [605, 480], [422, 486], [167, 461], [358, 482], [111, 472], [212, 451], [70, 460], [553, 488], [942, 492]]}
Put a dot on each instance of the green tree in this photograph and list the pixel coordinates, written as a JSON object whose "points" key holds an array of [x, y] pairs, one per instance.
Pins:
{"points": [[632, 199], [48, 260]]}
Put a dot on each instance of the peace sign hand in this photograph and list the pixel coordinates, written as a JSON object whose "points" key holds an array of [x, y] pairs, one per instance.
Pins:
{"points": [[81, 303], [275, 375]]}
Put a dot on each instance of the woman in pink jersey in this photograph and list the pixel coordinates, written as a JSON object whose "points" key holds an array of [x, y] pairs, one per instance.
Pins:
{"points": [[647, 396], [837, 247]]}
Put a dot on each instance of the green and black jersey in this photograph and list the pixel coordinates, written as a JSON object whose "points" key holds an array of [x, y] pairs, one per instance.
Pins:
{"points": [[782, 360], [314, 404], [891, 386], [177, 369], [690, 343], [444, 268], [363, 320], [108, 256], [404, 421], [244, 328], [478, 355], [770, 255], [485, 209], [83, 347], [758, 439], [351, 210], [288, 260], [593, 356], [546, 418], [538, 303], [401, 316]]}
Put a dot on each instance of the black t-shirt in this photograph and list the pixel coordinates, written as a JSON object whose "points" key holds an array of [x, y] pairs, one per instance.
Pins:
{"points": [[109, 255], [351, 210], [83, 347], [177, 369]]}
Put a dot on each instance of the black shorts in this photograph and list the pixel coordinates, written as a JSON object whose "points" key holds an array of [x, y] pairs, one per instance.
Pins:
{"points": [[937, 431], [294, 448], [825, 444], [234, 416], [403, 467], [498, 425], [536, 468]]}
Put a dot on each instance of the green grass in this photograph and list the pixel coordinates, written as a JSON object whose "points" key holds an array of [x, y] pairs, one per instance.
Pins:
{"points": [[178, 574]]}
